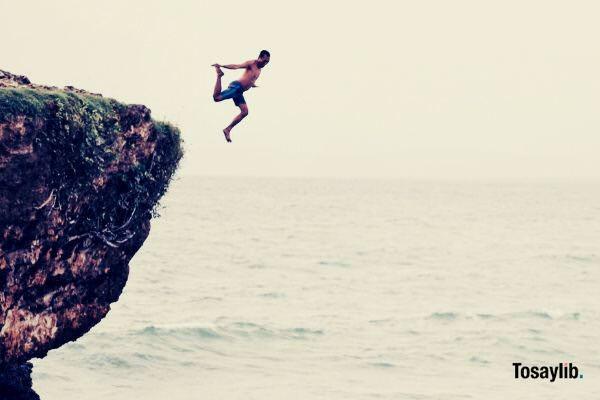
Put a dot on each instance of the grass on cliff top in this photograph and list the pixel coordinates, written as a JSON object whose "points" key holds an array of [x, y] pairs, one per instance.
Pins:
{"points": [[27, 101], [76, 131]]}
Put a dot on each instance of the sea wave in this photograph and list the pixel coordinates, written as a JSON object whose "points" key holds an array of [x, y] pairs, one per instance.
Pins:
{"points": [[529, 314], [232, 331]]}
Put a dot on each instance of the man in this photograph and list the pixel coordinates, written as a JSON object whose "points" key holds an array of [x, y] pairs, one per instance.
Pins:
{"points": [[237, 88]]}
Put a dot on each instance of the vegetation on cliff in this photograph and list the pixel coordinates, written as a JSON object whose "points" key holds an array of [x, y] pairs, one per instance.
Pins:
{"points": [[80, 136]]}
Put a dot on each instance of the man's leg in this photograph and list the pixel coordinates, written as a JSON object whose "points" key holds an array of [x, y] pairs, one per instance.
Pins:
{"points": [[236, 120], [217, 90]]}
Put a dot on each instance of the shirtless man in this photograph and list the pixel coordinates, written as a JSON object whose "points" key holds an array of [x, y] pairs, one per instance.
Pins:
{"points": [[237, 88]]}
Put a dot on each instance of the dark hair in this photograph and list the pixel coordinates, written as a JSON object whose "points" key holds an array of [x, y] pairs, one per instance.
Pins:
{"points": [[264, 53]]}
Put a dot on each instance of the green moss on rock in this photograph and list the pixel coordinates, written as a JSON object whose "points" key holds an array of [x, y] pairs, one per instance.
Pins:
{"points": [[93, 147]]}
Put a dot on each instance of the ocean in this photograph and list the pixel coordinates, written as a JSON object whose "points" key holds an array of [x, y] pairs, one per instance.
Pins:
{"points": [[290, 288]]}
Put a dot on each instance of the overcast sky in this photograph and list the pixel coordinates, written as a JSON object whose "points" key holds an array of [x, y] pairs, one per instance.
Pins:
{"points": [[407, 89]]}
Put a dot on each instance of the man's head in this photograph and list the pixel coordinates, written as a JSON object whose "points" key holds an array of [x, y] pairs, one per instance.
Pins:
{"points": [[263, 58]]}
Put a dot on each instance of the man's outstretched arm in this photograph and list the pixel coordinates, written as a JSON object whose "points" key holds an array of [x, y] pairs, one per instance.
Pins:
{"points": [[237, 66]]}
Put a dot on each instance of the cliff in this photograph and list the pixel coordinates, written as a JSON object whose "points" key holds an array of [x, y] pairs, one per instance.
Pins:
{"points": [[80, 179]]}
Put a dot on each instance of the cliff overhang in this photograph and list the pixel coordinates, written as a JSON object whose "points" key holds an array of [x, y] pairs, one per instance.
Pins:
{"points": [[81, 176]]}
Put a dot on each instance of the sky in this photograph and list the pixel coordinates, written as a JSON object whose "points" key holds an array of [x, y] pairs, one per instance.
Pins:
{"points": [[430, 89]]}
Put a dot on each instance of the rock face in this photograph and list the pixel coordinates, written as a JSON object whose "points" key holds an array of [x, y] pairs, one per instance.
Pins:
{"points": [[80, 179]]}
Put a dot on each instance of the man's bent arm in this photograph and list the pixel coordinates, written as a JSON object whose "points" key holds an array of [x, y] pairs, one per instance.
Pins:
{"points": [[237, 66]]}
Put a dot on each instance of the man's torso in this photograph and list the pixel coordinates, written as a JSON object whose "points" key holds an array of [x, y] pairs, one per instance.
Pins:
{"points": [[250, 76]]}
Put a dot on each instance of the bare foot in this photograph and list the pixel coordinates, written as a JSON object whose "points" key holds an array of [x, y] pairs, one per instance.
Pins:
{"points": [[218, 68], [226, 132]]}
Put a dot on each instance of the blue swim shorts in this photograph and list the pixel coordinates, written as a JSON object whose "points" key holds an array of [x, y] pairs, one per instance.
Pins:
{"points": [[234, 91]]}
